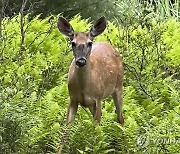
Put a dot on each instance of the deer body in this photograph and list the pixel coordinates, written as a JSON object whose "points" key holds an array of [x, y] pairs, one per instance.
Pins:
{"points": [[99, 78], [94, 75]]}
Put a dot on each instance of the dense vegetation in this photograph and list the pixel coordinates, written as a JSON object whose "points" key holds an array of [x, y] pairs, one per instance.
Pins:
{"points": [[34, 96], [34, 61], [92, 8]]}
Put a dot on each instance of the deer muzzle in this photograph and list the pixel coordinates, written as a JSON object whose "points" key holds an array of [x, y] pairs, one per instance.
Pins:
{"points": [[80, 62]]}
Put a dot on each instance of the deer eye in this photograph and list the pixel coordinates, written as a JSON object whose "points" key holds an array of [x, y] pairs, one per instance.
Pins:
{"points": [[73, 44], [89, 44]]}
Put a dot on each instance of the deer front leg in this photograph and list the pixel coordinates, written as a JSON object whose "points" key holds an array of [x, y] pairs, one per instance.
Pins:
{"points": [[72, 109], [92, 109], [98, 111]]}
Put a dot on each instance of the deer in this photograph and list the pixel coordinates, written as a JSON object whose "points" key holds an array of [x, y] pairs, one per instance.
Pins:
{"points": [[96, 71]]}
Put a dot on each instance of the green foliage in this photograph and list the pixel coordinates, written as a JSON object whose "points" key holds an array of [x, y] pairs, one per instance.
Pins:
{"points": [[130, 12], [172, 40], [86, 8], [34, 95]]}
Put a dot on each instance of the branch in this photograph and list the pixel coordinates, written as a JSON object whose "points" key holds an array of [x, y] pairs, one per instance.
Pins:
{"points": [[22, 22], [139, 80]]}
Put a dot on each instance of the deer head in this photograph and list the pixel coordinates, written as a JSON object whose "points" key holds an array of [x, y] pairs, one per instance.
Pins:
{"points": [[81, 41]]}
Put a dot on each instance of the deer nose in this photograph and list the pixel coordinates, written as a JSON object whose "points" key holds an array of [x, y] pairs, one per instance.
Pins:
{"points": [[80, 62]]}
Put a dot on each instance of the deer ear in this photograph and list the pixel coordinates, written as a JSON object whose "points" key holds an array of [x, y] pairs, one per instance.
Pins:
{"points": [[65, 27], [98, 27]]}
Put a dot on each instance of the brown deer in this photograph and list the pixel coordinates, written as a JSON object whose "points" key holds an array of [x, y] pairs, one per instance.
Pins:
{"points": [[96, 71]]}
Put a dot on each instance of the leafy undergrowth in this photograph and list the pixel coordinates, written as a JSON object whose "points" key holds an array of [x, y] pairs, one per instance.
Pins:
{"points": [[34, 96]]}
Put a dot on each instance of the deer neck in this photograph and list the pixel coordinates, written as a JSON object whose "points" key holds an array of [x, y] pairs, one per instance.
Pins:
{"points": [[83, 75]]}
